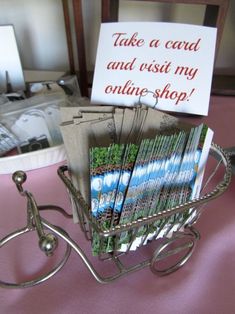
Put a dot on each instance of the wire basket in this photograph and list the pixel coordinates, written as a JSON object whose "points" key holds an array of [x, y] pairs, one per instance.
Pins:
{"points": [[172, 230], [174, 225]]}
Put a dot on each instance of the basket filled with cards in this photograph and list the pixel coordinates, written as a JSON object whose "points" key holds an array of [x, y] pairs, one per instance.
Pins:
{"points": [[137, 177]]}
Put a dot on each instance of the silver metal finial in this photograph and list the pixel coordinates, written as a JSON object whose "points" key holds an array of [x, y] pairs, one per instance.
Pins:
{"points": [[48, 243]]}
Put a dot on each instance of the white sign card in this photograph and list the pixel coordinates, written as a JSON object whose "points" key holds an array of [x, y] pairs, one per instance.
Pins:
{"points": [[10, 60], [168, 66]]}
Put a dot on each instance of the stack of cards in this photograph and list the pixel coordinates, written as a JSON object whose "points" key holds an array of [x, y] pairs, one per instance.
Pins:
{"points": [[97, 126], [130, 163], [132, 181]]}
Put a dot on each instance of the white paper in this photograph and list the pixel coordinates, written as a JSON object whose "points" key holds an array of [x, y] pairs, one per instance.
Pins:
{"points": [[168, 64], [10, 60]]}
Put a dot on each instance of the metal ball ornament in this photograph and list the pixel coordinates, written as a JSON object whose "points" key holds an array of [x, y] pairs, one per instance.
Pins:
{"points": [[19, 177], [48, 243]]}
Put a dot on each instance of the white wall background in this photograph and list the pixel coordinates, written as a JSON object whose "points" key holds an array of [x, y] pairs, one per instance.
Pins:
{"points": [[41, 39]]}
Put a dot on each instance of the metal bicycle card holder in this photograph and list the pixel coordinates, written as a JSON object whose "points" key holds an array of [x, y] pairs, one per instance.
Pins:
{"points": [[178, 234]]}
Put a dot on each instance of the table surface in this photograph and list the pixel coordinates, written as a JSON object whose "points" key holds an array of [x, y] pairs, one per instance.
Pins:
{"points": [[205, 284]]}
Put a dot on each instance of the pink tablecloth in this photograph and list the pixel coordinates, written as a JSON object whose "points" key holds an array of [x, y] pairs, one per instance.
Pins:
{"points": [[206, 283]]}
